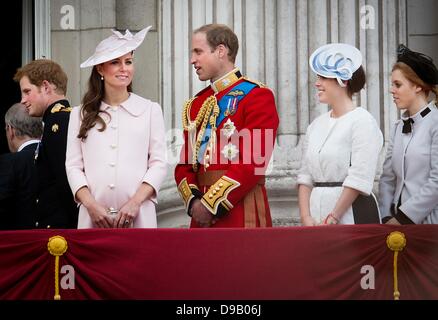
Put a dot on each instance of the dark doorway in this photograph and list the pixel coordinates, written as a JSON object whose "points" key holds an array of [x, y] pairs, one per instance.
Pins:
{"points": [[10, 60]]}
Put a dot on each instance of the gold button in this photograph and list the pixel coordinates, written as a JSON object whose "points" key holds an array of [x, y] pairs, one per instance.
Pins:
{"points": [[217, 188], [221, 184], [210, 196], [214, 191]]}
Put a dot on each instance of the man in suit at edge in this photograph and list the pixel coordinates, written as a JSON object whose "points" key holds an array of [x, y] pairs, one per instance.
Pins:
{"points": [[17, 169]]}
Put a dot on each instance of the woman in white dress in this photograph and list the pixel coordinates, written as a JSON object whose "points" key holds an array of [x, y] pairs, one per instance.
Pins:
{"points": [[341, 147], [408, 189]]}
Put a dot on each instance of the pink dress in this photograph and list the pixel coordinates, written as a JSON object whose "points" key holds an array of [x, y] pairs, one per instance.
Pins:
{"points": [[113, 163]]}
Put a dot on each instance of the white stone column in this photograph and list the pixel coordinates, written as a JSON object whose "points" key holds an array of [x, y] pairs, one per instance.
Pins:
{"points": [[42, 29]]}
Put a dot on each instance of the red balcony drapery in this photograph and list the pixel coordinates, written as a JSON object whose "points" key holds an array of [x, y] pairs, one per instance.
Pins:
{"points": [[222, 264]]}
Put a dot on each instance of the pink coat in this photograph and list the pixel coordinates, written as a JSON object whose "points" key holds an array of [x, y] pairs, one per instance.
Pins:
{"points": [[115, 162]]}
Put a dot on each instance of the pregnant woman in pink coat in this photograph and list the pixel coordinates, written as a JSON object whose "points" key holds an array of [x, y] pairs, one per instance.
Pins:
{"points": [[115, 158]]}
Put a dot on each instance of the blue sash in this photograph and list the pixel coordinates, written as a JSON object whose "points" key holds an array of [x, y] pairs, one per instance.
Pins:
{"points": [[228, 105]]}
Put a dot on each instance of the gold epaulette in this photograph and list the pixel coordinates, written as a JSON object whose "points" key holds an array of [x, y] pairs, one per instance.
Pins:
{"points": [[60, 107], [260, 84], [218, 194]]}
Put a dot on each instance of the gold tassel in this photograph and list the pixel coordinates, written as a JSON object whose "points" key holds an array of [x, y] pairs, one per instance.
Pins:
{"points": [[396, 241], [57, 246]]}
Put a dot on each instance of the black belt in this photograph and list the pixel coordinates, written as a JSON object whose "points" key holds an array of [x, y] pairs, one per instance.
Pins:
{"points": [[327, 184]]}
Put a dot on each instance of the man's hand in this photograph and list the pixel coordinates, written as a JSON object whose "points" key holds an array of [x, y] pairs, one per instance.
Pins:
{"points": [[201, 215]]}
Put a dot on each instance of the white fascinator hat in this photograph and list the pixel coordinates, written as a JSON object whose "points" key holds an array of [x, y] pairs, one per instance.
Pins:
{"points": [[336, 60], [115, 46]]}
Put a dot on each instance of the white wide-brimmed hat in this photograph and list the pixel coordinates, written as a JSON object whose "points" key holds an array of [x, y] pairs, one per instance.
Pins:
{"points": [[336, 60], [115, 46]]}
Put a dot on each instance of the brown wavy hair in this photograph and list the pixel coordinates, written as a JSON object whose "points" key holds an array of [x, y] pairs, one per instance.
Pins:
{"points": [[90, 109]]}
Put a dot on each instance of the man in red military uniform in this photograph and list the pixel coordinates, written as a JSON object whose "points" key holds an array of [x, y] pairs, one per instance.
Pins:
{"points": [[229, 134]]}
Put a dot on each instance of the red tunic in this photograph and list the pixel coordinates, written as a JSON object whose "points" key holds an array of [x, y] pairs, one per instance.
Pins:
{"points": [[232, 185]]}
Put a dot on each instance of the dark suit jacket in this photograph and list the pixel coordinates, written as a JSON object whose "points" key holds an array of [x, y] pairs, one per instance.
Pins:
{"points": [[56, 208], [18, 189]]}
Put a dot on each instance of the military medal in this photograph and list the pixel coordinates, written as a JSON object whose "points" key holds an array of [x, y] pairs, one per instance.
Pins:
{"points": [[228, 128], [231, 107], [230, 151]]}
